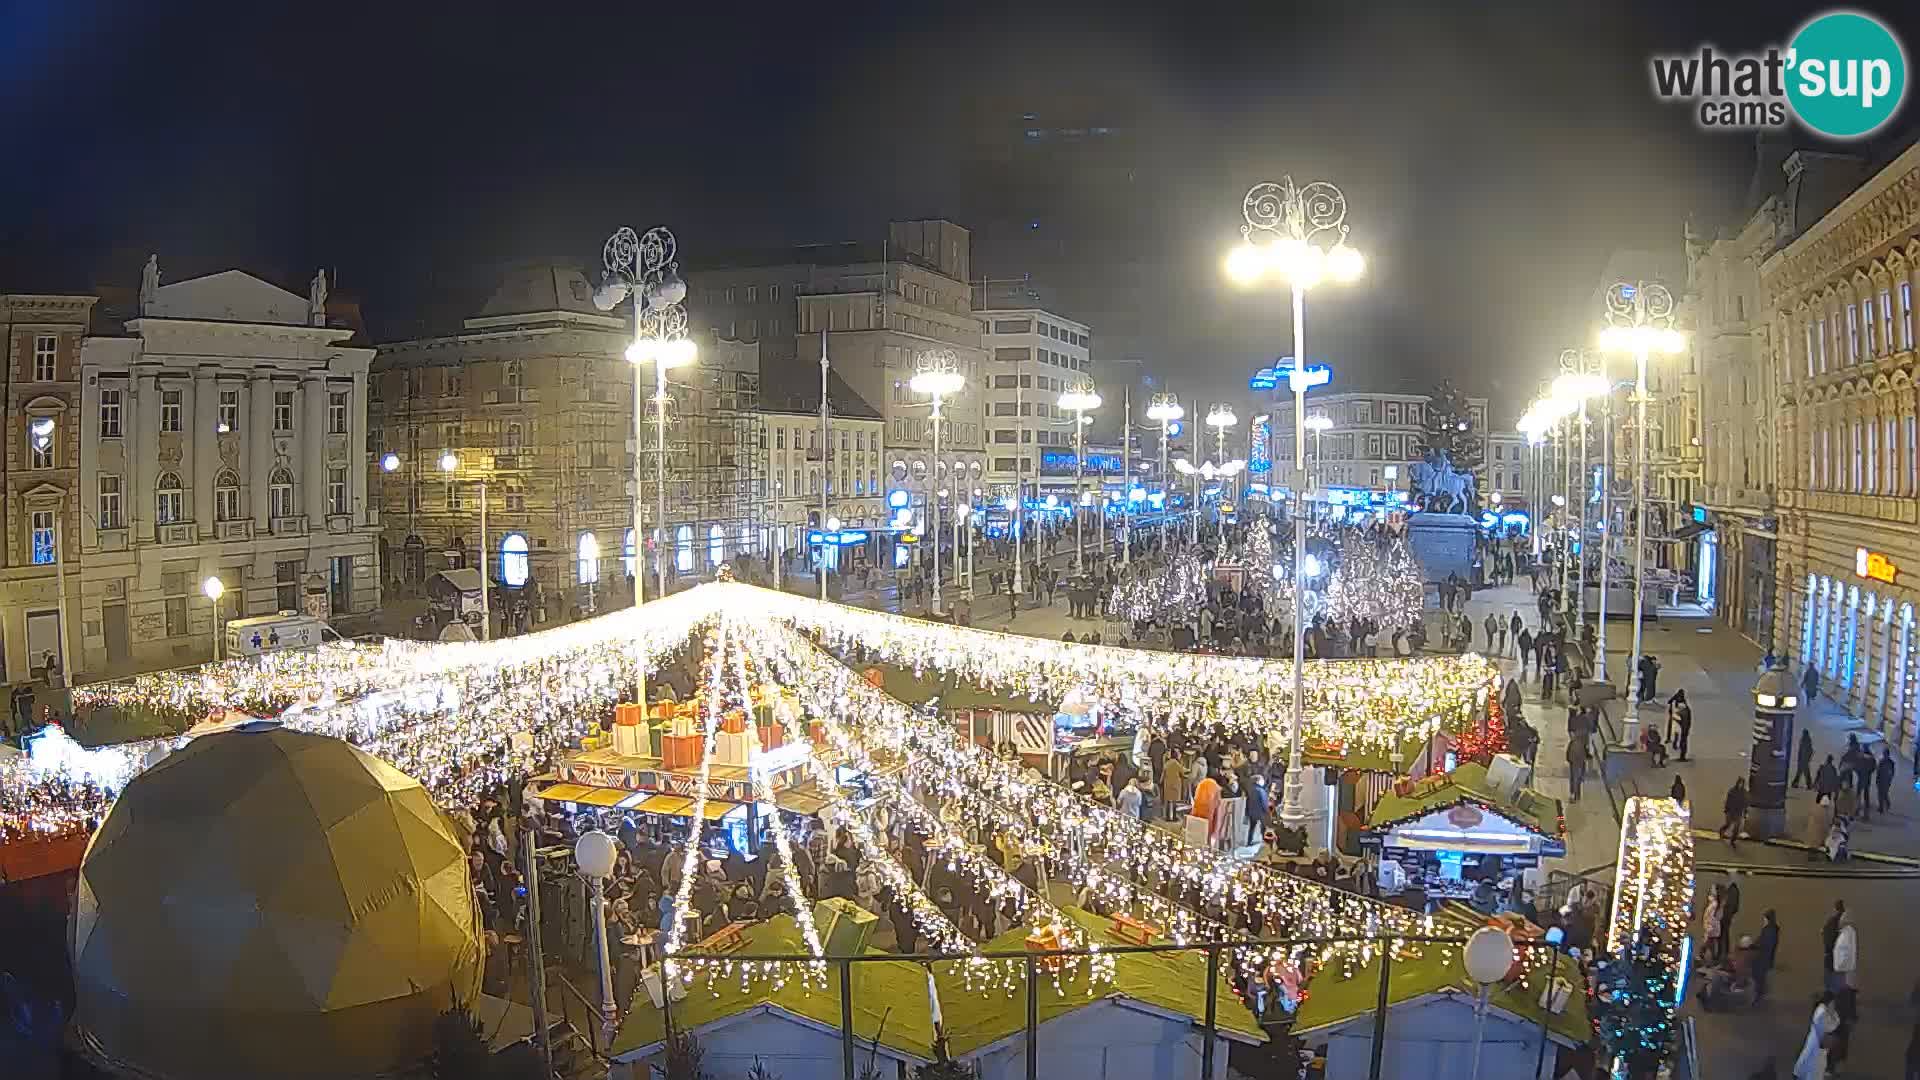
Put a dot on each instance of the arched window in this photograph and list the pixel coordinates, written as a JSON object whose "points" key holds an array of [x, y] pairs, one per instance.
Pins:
{"points": [[168, 500], [226, 496], [627, 553], [514, 437], [513, 560], [280, 493], [589, 559], [683, 558], [716, 546]]}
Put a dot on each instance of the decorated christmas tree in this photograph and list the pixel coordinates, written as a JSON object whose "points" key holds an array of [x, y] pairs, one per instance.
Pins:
{"points": [[1450, 429], [1633, 998]]}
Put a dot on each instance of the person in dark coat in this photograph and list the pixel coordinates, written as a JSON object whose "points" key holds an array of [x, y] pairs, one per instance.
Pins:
{"points": [[1826, 783], [1863, 773], [1766, 946], [1829, 934], [1805, 771], [1735, 806], [1883, 776], [1679, 722]]}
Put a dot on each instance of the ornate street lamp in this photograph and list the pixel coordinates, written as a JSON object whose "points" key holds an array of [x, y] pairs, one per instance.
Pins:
{"points": [[1166, 409], [1079, 400], [937, 375], [1640, 322], [1296, 234]]}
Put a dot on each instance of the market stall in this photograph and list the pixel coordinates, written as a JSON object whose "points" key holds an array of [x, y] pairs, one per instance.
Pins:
{"points": [[1470, 834]]}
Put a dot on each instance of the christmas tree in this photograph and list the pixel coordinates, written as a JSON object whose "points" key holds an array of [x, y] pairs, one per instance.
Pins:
{"points": [[1633, 997], [1450, 429]]}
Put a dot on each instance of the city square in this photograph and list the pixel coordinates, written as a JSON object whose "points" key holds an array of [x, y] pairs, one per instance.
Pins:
{"points": [[1044, 546]]}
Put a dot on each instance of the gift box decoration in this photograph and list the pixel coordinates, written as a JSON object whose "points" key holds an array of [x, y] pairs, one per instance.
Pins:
{"points": [[681, 751], [1047, 939], [627, 714], [734, 722], [629, 740], [661, 710], [655, 733], [817, 734], [772, 736], [684, 724], [731, 748], [875, 678]]}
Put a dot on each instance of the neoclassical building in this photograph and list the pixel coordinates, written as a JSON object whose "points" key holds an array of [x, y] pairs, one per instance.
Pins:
{"points": [[1840, 300]]}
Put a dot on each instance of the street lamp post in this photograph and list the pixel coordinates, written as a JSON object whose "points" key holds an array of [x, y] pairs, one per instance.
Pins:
{"points": [[1606, 516], [1319, 425], [594, 854], [938, 376], [214, 589], [1286, 228], [1080, 400], [1572, 390], [449, 464], [1164, 408], [646, 269], [1640, 322], [1220, 417]]}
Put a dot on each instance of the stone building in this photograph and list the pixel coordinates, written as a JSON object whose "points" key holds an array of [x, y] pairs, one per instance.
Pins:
{"points": [[1033, 355], [533, 398], [222, 433], [853, 462], [43, 336], [1839, 301]]}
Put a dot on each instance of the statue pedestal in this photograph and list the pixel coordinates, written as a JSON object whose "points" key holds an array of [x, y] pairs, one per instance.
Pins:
{"points": [[1443, 543]]}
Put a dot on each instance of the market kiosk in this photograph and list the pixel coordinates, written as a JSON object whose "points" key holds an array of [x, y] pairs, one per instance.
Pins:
{"points": [[1470, 834]]}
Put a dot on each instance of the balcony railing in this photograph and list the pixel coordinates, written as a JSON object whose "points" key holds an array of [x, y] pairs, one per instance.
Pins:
{"points": [[239, 529], [295, 525]]}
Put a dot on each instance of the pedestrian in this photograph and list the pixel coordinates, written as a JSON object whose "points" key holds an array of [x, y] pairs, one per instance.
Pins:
{"points": [[1883, 776], [1130, 795], [1492, 627], [1576, 766], [1523, 646], [1846, 962], [1729, 907], [1863, 774], [1173, 785], [1826, 783], [1679, 722], [1766, 946], [1735, 806], [1812, 1062], [1805, 771], [1514, 627], [1830, 933], [1710, 928], [1678, 792]]}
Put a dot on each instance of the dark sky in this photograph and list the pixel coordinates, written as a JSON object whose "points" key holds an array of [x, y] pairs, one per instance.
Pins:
{"points": [[1493, 155]]}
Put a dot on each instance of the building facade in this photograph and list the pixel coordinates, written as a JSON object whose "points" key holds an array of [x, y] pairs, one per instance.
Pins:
{"points": [[1034, 355], [1734, 564], [222, 433], [1839, 300], [1376, 438], [44, 335], [853, 461], [534, 401]]}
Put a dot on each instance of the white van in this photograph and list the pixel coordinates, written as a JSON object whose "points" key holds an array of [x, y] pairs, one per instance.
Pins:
{"points": [[270, 633]]}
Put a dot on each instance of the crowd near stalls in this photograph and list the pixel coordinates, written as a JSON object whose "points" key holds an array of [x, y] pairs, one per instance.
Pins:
{"points": [[1229, 592]]}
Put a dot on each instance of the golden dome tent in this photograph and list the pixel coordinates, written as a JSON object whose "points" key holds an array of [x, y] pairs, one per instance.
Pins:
{"points": [[264, 902]]}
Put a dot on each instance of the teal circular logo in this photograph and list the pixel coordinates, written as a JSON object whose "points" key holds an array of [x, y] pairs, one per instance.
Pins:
{"points": [[1847, 74]]}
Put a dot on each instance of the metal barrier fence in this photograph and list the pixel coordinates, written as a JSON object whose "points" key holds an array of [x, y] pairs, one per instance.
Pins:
{"points": [[1036, 968]]}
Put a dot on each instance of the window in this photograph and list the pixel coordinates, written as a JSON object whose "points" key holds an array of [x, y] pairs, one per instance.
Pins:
{"points": [[168, 500], [109, 413], [337, 490], [1888, 340], [176, 616], [46, 347], [450, 384], [773, 293], [1913, 456], [626, 554], [683, 555], [453, 494], [1810, 350], [170, 407], [512, 376], [226, 496], [280, 493], [1906, 315], [337, 412], [40, 443], [589, 559], [1866, 329], [229, 411], [516, 500], [283, 410], [286, 585], [1873, 457], [1853, 335], [340, 583], [513, 560], [42, 537], [716, 546], [109, 505], [512, 439], [1820, 342], [780, 438]]}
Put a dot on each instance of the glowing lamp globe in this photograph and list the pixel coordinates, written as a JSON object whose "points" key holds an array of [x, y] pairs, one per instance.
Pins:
{"points": [[594, 853], [448, 462], [1488, 956], [266, 902], [1246, 264], [390, 462], [678, 353]]}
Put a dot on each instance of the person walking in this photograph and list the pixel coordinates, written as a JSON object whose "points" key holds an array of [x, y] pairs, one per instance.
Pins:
{"points": [[1735, 807], [1523, 646], [1173, 785], [1678, 792], [1812, 1062], [1830, 933], [1846, 990], [1863, 773], [1514, 627], [1710, 928], [1883, 777], [1679, 722], [1576, 766], [1766, 947], [1491, 626], [1805, 771], [1826, 783]]}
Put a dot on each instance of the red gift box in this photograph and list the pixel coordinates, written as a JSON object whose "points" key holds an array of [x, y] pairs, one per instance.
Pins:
{"points": [[626, 714], [734, 722], [817, 732], [772, 736], [681, 751]]}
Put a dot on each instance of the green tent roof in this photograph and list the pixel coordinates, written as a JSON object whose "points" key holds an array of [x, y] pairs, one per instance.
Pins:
{"points": [[902, 684], [1468, 784], [1371, 759], [1332, 1000], [974, 1018]]}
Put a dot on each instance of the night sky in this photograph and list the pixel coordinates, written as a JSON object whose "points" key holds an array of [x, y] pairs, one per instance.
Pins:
{"points": [[1493, 155]]}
